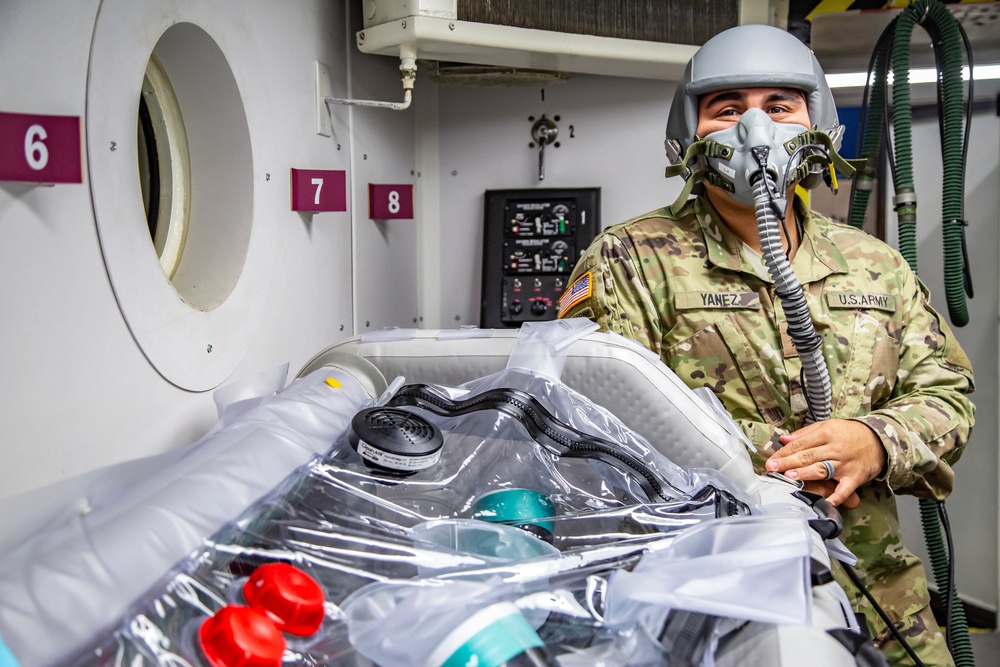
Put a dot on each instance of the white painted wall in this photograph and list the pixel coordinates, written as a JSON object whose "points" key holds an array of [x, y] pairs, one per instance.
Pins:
{"points": [[618, 125], [76, 393]]}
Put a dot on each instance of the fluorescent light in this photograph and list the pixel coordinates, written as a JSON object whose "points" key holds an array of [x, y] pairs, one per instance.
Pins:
{"points": [[924, 75]]}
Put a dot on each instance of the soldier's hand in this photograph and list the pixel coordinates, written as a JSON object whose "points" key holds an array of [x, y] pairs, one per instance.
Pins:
{"points": [[854, 450], [826, 488]]}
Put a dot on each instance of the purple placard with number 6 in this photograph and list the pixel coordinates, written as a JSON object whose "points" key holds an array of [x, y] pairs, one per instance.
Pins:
{"points": [[390, 202], [319, 190], [40, 149]]}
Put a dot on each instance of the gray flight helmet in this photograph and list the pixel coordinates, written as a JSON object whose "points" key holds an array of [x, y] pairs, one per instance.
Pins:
{"points": [[748, 56]]}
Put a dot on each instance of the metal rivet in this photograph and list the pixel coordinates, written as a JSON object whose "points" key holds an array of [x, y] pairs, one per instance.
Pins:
{"points": [[454, 172], [458, 318], [114, 146], [267, 177], [451, 26], [210, 348]]}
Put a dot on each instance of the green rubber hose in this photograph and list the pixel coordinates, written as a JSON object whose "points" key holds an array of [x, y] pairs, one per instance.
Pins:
{"points": [[871, 145], [894, 46], [942, 26], [959, 643], [902, 175]]}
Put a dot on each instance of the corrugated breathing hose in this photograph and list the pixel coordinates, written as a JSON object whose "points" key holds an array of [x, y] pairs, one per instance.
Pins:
{"points": [[894, 47], [801, 330]]}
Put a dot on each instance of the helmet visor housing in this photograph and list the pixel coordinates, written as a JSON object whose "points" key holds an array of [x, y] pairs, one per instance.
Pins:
{"points": [[750, 56]]}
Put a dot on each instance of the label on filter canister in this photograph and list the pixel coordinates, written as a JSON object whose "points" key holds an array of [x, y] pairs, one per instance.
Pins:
{"points": [[396, 461], [489, 638]]}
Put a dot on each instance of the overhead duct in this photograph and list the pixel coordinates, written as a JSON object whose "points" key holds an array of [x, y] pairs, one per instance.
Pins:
{"points": [[633, 38]]}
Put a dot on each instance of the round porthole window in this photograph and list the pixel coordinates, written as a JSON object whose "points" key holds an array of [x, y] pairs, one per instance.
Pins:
{"points": [[164, 167], [171, 177]]}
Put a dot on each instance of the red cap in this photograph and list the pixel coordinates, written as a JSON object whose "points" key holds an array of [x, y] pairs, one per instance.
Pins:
{"points": [[238, 636], [289, 597]]}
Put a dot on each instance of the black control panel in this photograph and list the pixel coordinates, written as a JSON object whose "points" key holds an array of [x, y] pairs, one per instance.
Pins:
{"points": [[532, 240]]}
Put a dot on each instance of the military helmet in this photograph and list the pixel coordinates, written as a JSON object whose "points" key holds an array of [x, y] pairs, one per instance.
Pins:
{"points": [[749, 56]]}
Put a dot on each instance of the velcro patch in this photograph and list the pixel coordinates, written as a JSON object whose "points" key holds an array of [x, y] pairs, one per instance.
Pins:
{"points": [[581, 289], [699, 300], [873, 300]]}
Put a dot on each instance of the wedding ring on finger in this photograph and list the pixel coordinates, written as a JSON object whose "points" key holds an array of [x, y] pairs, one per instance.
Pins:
{"points": [[828, 466]]}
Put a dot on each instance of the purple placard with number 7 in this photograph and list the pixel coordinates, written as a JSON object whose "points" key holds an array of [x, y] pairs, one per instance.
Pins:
{"points": [[319, 190]]}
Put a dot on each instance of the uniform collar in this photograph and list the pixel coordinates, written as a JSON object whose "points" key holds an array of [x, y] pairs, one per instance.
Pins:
{"points": [[816, 258]]}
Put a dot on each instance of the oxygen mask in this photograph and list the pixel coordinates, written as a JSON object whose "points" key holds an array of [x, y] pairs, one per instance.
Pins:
{"points": [[796, 155], [738, 167]]}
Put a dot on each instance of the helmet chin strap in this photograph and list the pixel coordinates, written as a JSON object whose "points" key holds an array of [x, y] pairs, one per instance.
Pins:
{"points": [[818, 157]]}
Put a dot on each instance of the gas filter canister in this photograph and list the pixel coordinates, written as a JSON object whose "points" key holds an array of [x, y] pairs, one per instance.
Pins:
{"points": [[395, 442]]}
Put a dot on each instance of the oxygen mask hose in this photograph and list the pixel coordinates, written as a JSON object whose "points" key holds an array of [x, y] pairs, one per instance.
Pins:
{"points": [[801, 330]]}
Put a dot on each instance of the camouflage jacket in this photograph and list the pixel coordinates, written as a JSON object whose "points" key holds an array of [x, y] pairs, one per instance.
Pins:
{"points": [[685, 289]]}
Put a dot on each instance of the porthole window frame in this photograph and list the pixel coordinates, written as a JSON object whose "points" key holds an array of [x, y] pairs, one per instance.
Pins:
{"points": [[193, 339], [160, 116]]}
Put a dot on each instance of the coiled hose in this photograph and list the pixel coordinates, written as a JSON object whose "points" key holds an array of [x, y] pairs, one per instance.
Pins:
{"points": [[894, 47], [801, 330], [943, 28]]}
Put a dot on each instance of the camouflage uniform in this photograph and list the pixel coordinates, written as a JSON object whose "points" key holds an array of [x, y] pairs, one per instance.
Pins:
{"points": [[686, 289]]}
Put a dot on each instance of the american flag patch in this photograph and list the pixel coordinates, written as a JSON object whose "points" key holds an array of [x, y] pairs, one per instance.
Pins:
{"points": [[577, 292]]}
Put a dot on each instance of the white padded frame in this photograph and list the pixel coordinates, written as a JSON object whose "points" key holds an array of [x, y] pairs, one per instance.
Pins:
{"points": [[614, 372]]}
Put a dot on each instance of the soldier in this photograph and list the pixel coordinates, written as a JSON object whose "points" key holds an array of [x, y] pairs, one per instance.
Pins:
{"points": [[689, 282]]}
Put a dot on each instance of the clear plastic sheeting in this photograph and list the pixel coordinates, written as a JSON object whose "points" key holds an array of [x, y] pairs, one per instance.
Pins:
{"points": [[717, 569], [104, 539], [496, 520]]}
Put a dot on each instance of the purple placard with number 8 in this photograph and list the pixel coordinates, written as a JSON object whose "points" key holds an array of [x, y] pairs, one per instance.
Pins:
{"points": [[390, 202]]}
